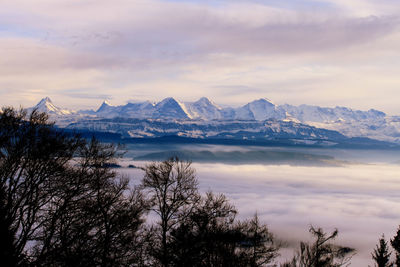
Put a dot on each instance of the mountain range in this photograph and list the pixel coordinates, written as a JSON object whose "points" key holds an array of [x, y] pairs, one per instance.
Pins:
{"points": [[215, 120]]}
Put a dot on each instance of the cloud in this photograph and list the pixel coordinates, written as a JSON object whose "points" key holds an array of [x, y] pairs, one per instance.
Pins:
{"points": [[360, 200], [153, 30], [188, 49]]}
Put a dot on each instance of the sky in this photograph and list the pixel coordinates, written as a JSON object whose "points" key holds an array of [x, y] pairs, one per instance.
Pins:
{"points": [[320, 52]]}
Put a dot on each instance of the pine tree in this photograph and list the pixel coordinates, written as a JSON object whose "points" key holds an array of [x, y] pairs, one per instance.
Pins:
{"points": [[395, 242], [381, 253]]}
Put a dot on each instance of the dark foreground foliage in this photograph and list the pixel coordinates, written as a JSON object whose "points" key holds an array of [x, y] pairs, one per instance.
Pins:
{"points": [[62, 203]]}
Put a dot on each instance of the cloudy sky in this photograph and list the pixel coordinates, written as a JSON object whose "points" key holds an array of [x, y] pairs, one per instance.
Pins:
{"points": [[80, 52]]}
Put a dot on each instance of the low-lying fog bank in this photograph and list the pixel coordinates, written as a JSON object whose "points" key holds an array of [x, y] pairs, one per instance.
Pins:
{"points": [[361, 200]]}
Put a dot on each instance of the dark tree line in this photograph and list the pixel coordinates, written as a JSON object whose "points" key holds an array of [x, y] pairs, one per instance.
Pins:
{"points": [[62, 204]]}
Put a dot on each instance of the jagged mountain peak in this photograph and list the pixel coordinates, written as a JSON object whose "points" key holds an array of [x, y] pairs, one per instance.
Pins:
{"points": [[104, 106], [105, 102], [204, 100], [171, 108], [204, 109], [351, 122], [44, 101], [261, 109], [46, 105], [168, 100]]}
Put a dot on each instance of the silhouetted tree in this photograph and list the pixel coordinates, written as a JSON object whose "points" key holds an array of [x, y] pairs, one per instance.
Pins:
{"points": [[207, 237], [7, 238], [258, 247], [171, 186], [395, 242], [211, 237], [32, 156], [321, 253], [381, 254], [60, 202]]}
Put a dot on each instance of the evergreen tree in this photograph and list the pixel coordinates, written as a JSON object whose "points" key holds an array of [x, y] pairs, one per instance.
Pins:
{"points": [[395, 242], [258, 247], [381, 254]]}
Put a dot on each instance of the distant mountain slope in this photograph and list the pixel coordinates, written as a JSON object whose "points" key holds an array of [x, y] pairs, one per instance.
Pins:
{"points": [[351, 123], [242, 130]]}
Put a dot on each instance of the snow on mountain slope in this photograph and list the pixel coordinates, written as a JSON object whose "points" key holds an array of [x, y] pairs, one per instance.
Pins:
{"points": [[138, 110], [46, 105], [167, 108], [170, 108], [234, 129], [316, 114], [261, 109], [383, 129], [353, 123], [204, 109], [107, 110]]}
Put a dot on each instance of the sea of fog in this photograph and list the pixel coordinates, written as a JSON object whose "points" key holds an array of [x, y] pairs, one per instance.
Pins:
{"points": [[355, 191]]}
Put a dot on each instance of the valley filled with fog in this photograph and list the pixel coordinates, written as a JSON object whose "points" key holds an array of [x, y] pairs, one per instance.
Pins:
{"points": [[356, 191]]}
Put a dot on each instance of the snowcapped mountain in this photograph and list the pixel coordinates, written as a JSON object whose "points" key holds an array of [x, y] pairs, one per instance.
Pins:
{"points": [[170, 108], [261, 109], [167, 108], [204, 109], [351, 123], [107, 110], [316, 114], [46, 105]]}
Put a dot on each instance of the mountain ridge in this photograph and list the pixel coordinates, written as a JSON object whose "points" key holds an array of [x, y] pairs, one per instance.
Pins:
{"points": [[372, 123]]}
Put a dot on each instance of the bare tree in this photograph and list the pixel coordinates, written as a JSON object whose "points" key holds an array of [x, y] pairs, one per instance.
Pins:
{"points": [[172, 189], [32, 156], [95, 219], [322, 253], [60, 202]]}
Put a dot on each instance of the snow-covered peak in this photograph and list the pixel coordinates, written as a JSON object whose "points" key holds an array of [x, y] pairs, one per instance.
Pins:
{"points": [[204, 109], [264, 101], [105, 106], [260, 109], [105, 102], [204, 99], [44, 101], [170, 108], [46, 105], [169, 101]]}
